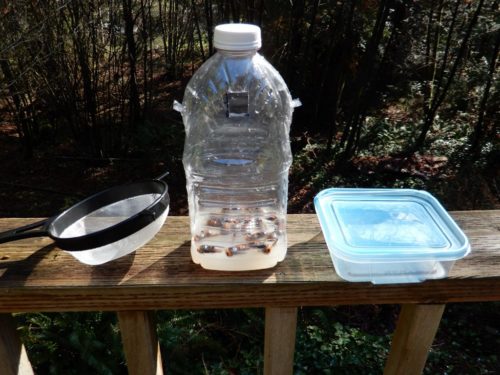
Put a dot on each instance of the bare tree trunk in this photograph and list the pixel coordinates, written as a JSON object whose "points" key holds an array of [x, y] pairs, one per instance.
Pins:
{"points": [[198, 29], [310, 31], [261, 12], [175, 35], [439, 79], [434, 50], [439, 97], [477, 136], [344, 52], [295, 40], [21, 119], [362, 83], [89, 96], [428, 47], [210, 25], [145, 24], [134, 104], [234, 16], [81, 49], [170, 37], [250, 11], [164, 31], [150, 55]]}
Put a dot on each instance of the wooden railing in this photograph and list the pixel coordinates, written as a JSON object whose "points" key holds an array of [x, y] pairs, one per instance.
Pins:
{"points": [[36, 276]]}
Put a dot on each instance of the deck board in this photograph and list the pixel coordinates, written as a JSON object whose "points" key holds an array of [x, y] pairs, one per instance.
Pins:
{"points": [[37, 276]]}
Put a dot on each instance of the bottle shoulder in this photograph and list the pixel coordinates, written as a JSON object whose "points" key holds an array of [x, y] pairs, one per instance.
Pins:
{"points": [[222, 73]]}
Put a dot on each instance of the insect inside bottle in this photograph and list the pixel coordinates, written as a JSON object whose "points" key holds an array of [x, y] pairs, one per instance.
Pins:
{"points": [[207, 249], [236, 230]]}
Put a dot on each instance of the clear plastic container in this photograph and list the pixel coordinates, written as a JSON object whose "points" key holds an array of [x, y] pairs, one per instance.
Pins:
{"points": [[237, 112], [389, 235]]}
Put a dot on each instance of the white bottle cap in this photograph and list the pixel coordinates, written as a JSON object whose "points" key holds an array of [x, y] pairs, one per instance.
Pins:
{"points": [[237, 37]]}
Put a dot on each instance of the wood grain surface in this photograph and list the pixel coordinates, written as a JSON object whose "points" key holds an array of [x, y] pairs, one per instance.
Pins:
{"points": [[140, 342], [37, 276], [412, 340], [279, 340], [13, 357]]}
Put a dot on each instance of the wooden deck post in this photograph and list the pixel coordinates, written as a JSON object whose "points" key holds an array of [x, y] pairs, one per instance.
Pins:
{"points": [[279, 341], [13, 357], [140, 343], [412, 340]]}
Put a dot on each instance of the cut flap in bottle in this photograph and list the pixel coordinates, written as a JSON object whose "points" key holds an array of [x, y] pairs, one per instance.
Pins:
{"points": [[236, 104], [178, 107], [296, 103]]}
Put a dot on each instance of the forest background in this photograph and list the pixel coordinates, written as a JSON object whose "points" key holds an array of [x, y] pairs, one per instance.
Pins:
{"points": [[395, 93]]}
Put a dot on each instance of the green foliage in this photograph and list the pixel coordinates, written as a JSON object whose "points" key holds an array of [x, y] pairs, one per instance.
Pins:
{"points": [[72, 343], [460, 348], [450, 137], [156, 137], [376, 90], [342, 340], [212, 341], [334, 348], [385, 136], [381, 136]]}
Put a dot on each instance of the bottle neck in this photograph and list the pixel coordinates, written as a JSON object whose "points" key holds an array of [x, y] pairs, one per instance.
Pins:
{"points": [[245, 53]]}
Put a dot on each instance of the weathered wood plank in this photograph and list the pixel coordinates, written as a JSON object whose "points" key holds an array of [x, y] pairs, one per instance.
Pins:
{"points": [[207, 297], [140, 343], [37, 276], [412, 340], [279, 340], [13, 357]]}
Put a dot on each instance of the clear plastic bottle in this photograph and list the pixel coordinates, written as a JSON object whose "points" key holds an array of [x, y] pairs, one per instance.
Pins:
{"points": [[237, 112]]}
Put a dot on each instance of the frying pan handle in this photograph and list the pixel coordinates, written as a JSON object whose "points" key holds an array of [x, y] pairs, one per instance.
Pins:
{"points": [[26, 231], [162, 176]]}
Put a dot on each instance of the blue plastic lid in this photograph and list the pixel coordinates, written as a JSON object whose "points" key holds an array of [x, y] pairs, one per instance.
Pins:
{"points": [[388, 225]]}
